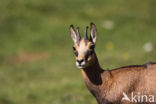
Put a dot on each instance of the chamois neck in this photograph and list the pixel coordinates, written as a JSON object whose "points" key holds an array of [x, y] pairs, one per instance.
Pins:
{"points": [[93, 72]]}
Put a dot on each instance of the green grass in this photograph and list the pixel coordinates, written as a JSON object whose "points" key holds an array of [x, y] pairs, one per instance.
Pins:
{"points": [[37, 65]]}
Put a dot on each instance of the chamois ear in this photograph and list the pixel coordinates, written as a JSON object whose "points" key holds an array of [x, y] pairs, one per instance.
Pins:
{"points": [[93, 33], [73, 34]]}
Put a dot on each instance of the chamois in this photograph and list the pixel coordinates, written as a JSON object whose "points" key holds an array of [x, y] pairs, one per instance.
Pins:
{"points": [[124, 85]]}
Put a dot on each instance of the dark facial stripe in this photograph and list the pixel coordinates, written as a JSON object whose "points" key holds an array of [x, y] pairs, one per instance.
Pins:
{"points": [[89, 53]]}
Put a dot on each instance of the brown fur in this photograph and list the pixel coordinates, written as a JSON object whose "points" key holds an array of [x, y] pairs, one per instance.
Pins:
{"points": [[108, 86]]}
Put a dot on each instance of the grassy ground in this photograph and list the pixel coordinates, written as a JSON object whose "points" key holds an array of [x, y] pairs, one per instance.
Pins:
{"points": [[37, 65]]}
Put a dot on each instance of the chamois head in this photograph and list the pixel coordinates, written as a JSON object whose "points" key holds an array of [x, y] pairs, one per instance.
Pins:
{"points": [[84, 47]]}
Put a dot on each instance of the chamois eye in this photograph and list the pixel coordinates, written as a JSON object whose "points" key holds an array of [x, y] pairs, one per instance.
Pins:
{"points": [[75, 52], [92, 46], [74, 48]]}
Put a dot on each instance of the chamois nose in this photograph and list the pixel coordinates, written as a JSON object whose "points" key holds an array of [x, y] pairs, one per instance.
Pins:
{"points": [[80, 61]]}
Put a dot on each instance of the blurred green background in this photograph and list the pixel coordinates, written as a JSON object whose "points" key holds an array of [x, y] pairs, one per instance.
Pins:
{"points": [[37, 65]]}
